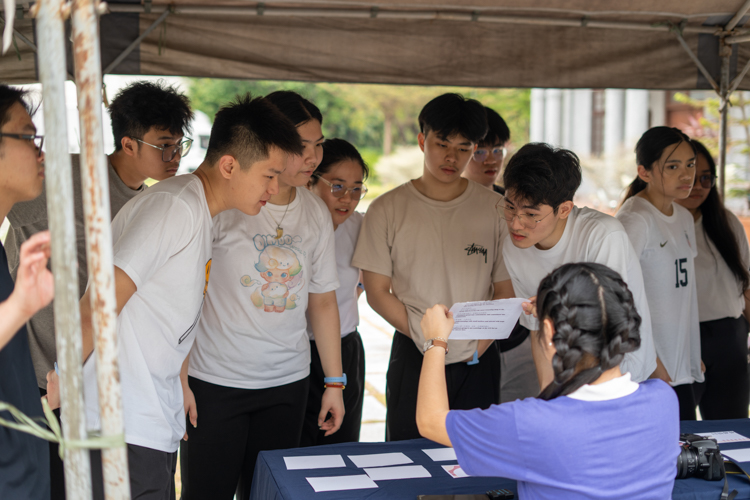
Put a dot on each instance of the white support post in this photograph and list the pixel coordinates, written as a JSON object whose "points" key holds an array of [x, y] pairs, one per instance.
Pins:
{"points": [[725, 53], [95, 186], [50, 34]]}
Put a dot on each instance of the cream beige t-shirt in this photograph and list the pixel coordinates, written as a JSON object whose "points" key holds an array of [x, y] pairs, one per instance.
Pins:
{"points": [[435, 252]]}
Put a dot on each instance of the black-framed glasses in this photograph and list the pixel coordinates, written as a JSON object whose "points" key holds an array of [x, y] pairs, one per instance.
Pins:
{"points": [[481, 154], [339, 190], [707, 180], [527, 220], [168, 152], [36, 140]]}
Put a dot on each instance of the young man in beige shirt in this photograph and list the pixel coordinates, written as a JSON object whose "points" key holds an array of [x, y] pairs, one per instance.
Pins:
{"points": [[436, 239]]}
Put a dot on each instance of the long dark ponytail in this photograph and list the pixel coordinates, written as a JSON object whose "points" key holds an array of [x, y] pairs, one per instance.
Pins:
{"points": [[596, 324], [649, 149], [717, 227]]}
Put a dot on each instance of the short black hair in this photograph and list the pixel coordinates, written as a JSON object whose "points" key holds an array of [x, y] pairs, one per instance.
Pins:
{"points": [[8, 97], [336, 151], [247, 127], [295, 107], [451, 114], [498, 131], [142, 105], [543, 175]]}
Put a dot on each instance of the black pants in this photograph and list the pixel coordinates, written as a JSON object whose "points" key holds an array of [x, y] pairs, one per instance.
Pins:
{"points": [[56, 468], [686, 399], [469, 386], [151, 473], [353, 363], [726, 390], [218, 459]]}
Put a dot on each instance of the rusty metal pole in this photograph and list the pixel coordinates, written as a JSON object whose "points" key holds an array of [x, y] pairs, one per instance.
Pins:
{"points": [[725, 53], [95, 187], [50, 35]]}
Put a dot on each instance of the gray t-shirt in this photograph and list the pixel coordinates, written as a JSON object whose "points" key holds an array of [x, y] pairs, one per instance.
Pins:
{"points": [[30, 217]]}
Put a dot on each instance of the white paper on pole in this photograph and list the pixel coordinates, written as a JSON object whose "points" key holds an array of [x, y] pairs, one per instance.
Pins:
{"points": [[741, 455], [380, 460], [485, 319], [441, 454], [314, 462], [341, 483], [401, 472]]}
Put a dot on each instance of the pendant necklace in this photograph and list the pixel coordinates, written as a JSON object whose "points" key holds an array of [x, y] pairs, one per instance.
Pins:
{"points": [[279, 229]]}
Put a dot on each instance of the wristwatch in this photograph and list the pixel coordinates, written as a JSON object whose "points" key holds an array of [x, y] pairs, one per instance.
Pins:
{"points": [[436, 342]]}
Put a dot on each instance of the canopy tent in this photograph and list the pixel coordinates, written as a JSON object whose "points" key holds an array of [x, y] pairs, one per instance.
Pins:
{"points": [[509, 43]]}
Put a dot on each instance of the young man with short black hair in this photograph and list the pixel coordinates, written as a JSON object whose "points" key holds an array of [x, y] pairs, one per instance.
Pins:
{"points": [[24, 459], [487, 161], [435, 239], [547, 230]]}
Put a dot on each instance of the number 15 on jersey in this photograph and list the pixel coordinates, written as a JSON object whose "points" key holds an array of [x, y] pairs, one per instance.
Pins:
{"points": [[680, 273]]}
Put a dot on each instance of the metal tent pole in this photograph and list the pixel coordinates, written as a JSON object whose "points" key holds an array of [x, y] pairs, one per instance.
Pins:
{"points": [[50, 34], [725, 53], [95, 186]]}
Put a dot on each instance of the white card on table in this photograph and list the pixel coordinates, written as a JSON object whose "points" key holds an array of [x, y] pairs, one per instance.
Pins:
{"points": [[725, 436], [314, 462], [485, 319], [441, 454], [455, 471], [380, 460], [741, 455], [401, 472], [341, 483]]}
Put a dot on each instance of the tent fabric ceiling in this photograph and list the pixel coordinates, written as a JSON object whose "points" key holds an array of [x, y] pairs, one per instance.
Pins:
{"points": [[315, 42]]}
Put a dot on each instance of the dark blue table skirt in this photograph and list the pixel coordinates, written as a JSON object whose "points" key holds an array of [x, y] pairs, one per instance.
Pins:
{"points": [[273, 482]]}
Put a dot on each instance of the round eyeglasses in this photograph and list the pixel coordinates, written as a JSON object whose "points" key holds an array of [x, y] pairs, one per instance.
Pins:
{"points": [[169, 151], [481, 154], [528, 221], [339, 190], [707, 181]]}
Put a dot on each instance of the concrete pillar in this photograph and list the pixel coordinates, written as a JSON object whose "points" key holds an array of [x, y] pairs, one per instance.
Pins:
{"points": [[657, 107], [580, 124], [636, 116], [567, 131], [614, 102], [553, 116], [536, 119]]}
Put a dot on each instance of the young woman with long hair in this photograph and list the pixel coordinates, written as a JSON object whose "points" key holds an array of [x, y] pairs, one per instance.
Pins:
{"points": [[722, 280], [583, 436], [663, 236]]}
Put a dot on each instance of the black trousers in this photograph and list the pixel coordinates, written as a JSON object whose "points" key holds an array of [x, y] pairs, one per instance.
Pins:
{"points": [[469, 386], [56, 468], [353, 363], [686, 399], [726, 390], [151, 473], [234, 425]]}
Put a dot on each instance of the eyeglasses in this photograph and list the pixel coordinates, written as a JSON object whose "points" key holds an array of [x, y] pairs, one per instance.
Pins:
{"points": [[168, 152], [480, 155], [339, 190], [37, 140], [707, 180], [527, 220]]}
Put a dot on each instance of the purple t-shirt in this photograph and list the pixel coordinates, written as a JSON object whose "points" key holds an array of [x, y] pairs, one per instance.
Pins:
{"points": [[623, 448]]}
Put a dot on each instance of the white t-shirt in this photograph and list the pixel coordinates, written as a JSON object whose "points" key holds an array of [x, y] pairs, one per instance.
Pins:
{"points": [[253, 331], [589, 236], [346, 296], [667, 248], [719, 292], [162, 241]]}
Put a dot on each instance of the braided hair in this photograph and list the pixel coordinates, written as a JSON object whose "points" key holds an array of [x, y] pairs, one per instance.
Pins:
{"points": [[595, 321]]}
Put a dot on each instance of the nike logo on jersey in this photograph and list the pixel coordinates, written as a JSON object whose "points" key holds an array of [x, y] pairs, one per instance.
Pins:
{"points": [[662, 244]]}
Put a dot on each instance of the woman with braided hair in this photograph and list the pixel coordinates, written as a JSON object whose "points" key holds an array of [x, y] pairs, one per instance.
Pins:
{"points": [[583, 438]]}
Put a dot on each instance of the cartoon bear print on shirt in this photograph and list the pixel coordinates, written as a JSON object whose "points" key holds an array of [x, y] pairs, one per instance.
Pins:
{"points": [[280, 274]]}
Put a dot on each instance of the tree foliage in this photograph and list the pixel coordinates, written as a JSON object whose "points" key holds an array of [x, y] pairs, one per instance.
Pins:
{"points": [[359, 113]]}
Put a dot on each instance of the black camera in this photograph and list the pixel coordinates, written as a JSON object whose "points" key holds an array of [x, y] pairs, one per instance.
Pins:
{"points": [[699, 457]]}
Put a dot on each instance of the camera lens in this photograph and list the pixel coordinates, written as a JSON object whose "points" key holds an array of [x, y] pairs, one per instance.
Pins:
{"points": [[687, 463]]}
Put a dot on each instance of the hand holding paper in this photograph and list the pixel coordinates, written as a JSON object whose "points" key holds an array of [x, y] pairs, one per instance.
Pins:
{"points": [[437, 322], [488, 319]]}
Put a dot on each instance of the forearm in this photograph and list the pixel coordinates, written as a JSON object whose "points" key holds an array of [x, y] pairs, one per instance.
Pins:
{"points": [[13, 320], [432, 398], [390, 308], [184, 372], [324, 320]]}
